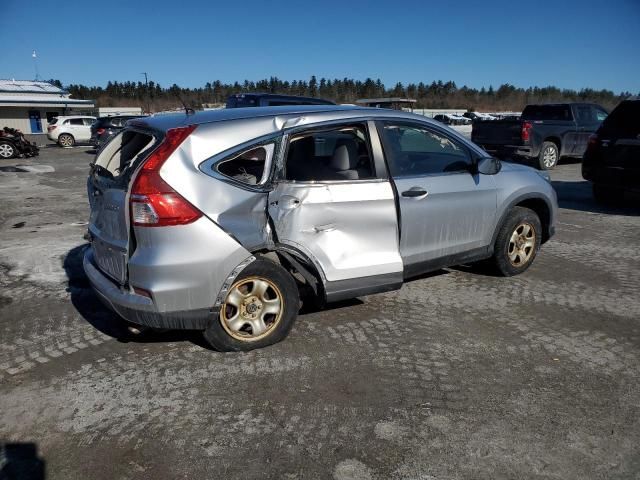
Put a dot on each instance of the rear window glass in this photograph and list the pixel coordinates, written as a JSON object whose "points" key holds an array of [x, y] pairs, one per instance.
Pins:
{"points": [[624, 120], [121, 152], [249, 166], [53, 121], [242, 101], [547, 112]]}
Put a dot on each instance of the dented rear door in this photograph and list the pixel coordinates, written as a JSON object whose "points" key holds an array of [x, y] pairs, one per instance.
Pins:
{"points": [[349, 228]]}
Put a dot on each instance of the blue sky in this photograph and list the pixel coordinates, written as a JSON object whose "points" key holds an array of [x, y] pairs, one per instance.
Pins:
{"points": [[570, 44]]}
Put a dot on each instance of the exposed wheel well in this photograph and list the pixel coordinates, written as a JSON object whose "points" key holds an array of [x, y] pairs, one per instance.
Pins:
{"points": [[541, 208], [303, 270]]}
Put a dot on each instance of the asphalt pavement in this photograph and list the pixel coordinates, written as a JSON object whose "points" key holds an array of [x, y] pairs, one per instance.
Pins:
{"points": [[459, 375]]}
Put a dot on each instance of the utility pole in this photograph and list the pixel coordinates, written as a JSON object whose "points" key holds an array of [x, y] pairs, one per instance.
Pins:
{"points": [[146, 82], [35, 64]]}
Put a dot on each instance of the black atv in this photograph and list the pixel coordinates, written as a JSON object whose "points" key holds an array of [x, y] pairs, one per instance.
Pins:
{"points": [[14, 144]]}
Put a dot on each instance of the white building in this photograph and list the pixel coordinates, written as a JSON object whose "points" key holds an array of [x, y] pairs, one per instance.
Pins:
{"points": [[29, 105]]}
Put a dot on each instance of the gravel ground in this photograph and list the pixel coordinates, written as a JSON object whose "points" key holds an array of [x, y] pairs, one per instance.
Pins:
{"points": [[457, 375]]}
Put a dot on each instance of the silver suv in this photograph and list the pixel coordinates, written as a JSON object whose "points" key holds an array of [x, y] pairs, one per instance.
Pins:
{"points": [[222, 221]]}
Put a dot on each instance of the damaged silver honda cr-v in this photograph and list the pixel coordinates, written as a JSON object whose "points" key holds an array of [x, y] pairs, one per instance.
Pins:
{"points": [[221, 221]]}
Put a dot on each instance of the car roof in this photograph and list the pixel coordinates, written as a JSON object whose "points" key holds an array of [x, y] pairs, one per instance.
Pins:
{"points": [[73, 116], [167, 121]]}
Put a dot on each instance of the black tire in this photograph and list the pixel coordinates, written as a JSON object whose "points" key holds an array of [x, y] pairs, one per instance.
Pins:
{"points": [[66, 140], [549, 156], [607, 195], [221, 335], [505, 248], [7, 150]]}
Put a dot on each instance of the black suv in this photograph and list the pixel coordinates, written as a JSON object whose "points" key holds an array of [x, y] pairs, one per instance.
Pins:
{"points": [[106, 127], [240, 100], [612, 158]]}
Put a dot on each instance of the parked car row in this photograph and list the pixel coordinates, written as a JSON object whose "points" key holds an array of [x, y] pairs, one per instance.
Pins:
{"points": [[68, 131], [106, 127], [452, 119]]}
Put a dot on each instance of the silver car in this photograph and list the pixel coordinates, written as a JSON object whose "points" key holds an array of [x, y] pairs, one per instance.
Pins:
{"points": [[227, 221]]}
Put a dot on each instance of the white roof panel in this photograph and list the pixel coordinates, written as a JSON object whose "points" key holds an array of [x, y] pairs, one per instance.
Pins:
{"points": [[28, 86]]}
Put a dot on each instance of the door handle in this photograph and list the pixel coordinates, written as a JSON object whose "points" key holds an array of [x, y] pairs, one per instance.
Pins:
{"points": [[415, 192]]}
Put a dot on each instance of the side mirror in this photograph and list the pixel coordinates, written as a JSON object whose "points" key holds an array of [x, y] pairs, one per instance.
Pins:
{"points": [[488, 166]]}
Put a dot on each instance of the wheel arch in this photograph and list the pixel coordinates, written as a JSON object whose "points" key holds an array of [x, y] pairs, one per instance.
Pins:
{"points": [[535, 202], [299, 262], [555, 140]]}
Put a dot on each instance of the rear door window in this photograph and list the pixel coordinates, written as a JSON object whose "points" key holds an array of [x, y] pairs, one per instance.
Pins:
{"points": [[74, 122], [600, 114], [584, 114], [334, 154], [547, 112]]}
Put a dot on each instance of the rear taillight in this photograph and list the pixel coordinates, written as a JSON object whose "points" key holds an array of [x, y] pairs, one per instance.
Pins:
{"points": [[100, 131], [525, 132], [51, 128], [153, 203], [593, 143]]}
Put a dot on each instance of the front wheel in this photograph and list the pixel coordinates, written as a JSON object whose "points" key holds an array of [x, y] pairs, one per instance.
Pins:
{"points": [[549, 156], [7, 150], [259, 310], [518, 242]]}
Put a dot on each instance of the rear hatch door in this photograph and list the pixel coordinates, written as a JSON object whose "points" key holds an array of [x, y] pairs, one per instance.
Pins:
{"points": [[108, 190]]}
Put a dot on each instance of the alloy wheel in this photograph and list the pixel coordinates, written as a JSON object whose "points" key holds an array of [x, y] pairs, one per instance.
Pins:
{"points": [[549, 157], [521, 244], [66, 141], [6, 150], [252, 309]]}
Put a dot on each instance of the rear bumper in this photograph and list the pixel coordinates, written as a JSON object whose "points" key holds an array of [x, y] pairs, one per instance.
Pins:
{"points": [[139, 309]]}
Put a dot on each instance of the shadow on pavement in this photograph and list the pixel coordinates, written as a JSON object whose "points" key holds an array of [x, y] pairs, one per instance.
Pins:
{"points": [[89, 306], [20, 461], [578, 195]]}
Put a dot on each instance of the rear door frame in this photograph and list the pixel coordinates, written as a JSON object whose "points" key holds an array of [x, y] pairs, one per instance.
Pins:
{"points": [[337, 288]]}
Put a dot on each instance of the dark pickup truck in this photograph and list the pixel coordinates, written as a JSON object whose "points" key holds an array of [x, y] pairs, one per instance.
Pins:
{"points": [[542, 134]]}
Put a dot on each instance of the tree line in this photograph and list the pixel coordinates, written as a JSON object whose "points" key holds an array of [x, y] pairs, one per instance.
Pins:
{"points": [[437, 94]]}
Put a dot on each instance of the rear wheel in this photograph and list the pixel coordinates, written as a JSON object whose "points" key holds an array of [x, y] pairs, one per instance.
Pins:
{"points": [[549, 156], [7, 150], [259, 309], [66, 140], [517, 242]]}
